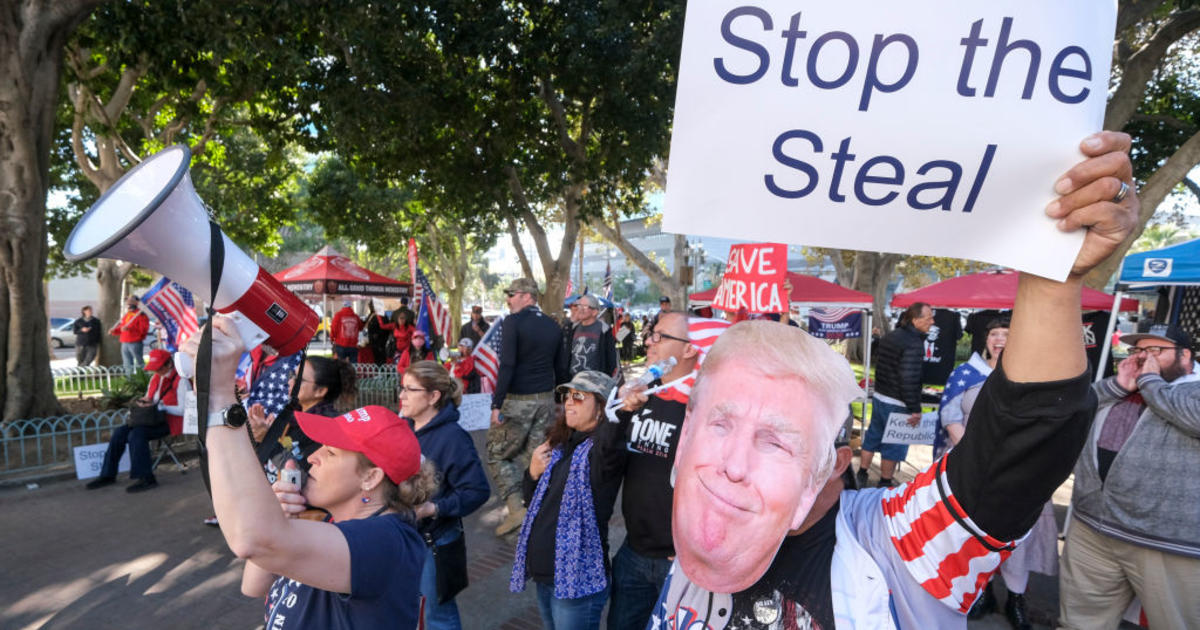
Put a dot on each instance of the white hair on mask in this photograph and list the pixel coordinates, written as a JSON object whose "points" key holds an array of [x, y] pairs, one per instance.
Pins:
{"points": [[786, 352]]}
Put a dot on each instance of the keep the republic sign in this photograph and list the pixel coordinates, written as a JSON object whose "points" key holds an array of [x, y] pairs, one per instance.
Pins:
{"points": [[936, 128]]}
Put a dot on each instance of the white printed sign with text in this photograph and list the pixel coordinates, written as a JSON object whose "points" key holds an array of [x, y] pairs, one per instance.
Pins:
{"points": [[936, 128]]}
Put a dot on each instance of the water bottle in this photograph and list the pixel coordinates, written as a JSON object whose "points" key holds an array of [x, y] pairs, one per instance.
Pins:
{"points": [[654, 372]]}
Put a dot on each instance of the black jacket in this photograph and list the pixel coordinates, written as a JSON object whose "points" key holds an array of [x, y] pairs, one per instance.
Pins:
{"points": [[530, 359], [464, 486], [89, 338], [898, 366], [606, 463], [468, 332]]}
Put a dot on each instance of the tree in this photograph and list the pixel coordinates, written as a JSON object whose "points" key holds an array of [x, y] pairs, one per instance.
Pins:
{"points": [[32, 36], [382, 218], [535, 112], [138, 82], [1154, 98]]}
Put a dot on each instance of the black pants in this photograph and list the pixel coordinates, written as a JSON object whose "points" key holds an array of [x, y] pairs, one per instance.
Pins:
{"points": [[85, 354]]}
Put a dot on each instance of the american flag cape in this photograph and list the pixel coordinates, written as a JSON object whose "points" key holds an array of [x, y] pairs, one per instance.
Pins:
{"points": [[271, 388], [487, 357], [703, 333], [963, 377], [431, 312], [174, 308]]}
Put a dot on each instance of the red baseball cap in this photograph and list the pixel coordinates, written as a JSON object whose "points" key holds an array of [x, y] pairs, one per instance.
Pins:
{"points": [[385, 438], [158, 358]]}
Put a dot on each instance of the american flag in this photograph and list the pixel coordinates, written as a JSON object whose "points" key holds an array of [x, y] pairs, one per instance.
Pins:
{"points": [[430, 306], [487, 357], [703, 333], [271, 388], [570, 289], [608, 281], [831, 315], [173, 306]]}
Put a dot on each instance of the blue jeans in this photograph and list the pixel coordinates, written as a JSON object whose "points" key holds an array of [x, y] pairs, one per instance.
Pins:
{"points": [[570, 614], [138, 439], [131, 354], [438, 616], [873, 440], [349, 353], [636, 583]]}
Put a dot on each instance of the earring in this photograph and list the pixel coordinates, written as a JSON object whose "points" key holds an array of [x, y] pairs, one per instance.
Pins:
{"points": [[366, 499]]}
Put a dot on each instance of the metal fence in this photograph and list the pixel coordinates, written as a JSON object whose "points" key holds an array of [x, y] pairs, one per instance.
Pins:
{"points": [[31, 445], [377, 384], [39, 443], [71, 381]]}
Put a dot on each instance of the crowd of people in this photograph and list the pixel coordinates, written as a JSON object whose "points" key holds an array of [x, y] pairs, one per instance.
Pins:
{"points": [[740, 503]]}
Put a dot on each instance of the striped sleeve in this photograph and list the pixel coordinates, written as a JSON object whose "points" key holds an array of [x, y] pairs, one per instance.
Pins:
{"points": [[940, 547]]}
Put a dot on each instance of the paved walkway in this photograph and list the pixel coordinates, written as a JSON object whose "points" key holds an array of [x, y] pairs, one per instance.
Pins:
{"points": [[106, 559]]}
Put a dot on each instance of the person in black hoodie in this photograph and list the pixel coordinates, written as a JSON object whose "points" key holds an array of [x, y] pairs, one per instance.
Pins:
{"points": [[429, 399], [897, 390], [571, 486], [87, 337]]}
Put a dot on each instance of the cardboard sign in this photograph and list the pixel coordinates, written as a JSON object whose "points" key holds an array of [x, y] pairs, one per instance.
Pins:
{"points": [[898, 430], [936, 128], [753, 279], [90, 458], [475, 412]]}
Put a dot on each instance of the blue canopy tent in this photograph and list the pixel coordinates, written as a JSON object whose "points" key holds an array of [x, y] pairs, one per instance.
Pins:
{"points": [[1177, 267], [599, 298]]}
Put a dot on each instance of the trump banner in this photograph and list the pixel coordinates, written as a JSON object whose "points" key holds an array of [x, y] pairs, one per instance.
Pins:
{"points": [[753, 279], [935, 128], [835, 323]]}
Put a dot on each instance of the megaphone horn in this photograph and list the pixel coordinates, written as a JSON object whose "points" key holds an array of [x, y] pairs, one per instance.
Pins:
{"points": [[153, 218]]}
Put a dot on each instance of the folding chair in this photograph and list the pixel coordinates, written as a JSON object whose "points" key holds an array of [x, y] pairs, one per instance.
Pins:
{"points": [[164, 449]]}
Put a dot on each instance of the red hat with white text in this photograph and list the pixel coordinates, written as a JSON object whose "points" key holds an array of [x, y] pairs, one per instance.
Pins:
{"points": [[384, 437]]}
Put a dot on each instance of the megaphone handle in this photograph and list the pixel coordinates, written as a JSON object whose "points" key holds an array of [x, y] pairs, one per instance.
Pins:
{"points": [[204, 353]]}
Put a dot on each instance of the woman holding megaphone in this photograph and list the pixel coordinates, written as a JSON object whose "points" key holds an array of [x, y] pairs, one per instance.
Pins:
{"points": [[362, 569]]}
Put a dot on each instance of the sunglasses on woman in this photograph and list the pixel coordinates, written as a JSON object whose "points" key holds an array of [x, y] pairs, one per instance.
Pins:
{"points": [[575, 395]]}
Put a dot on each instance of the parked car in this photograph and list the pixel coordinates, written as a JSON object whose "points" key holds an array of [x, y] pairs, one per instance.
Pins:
{"points": [[61, 334]]}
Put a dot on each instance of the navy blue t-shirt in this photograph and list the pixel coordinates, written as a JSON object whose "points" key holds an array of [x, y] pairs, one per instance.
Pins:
{"points": [[386, 556]]}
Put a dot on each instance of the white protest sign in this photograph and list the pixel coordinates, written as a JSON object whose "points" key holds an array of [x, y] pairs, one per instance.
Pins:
{"points": [[90, 458], [475, 412], [898, 431], [935, 128]]}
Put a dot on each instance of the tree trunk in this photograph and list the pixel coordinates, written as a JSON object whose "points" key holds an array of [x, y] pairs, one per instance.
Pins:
{"points": [[669, 285], [110, 275], [31, 42], [872, 272]]}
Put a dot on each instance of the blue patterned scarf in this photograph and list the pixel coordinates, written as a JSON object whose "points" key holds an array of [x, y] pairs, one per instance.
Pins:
{"points": [[578, 553]]}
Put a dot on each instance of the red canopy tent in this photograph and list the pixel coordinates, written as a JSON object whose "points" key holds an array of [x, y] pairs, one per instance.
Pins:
{"points": [[329, 273], [812, 291], [992, 289], [806, 290]]}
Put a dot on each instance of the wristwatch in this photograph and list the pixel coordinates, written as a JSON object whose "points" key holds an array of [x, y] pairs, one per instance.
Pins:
{"points": [[232, 416]]}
